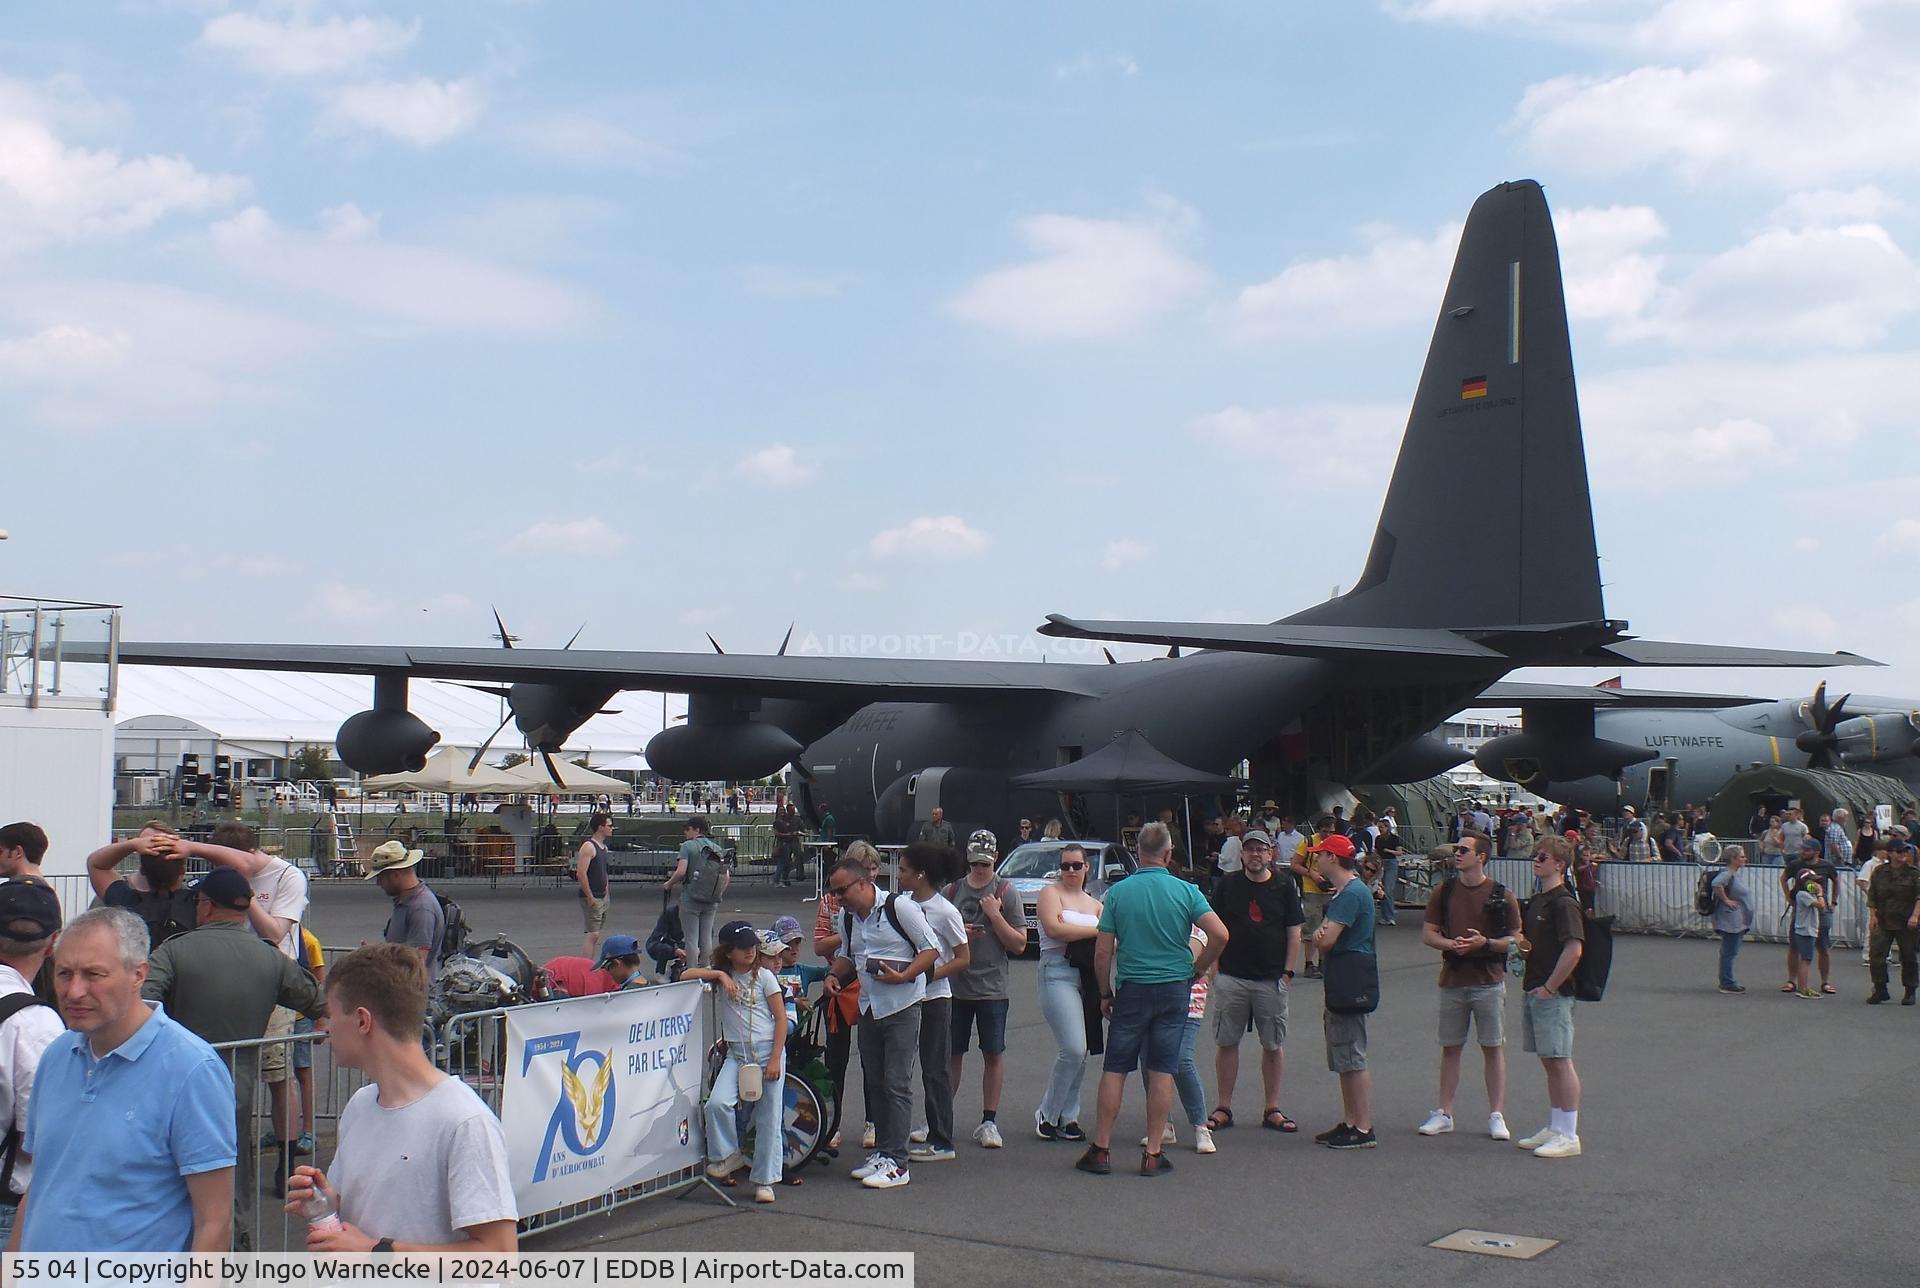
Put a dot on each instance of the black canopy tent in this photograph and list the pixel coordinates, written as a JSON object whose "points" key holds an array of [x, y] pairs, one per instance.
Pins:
{"points": [[1128, 766]]}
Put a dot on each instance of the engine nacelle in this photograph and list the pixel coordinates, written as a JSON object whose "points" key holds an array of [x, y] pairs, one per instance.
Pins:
{"points": [[384, 742], [1534, 760], [727, 749], [970, 798], [1864, 740]]}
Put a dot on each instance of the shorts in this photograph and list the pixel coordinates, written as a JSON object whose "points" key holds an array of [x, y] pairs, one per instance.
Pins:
{"points": [[1315, 908], [594, 911], [1826, 928], [1149, 1021], [302, 1051], [1546, 1028], [1806, 946], [274, 1055], [1346, 1042], [992, 1017], [1481, 1005], [1238, 1002]]}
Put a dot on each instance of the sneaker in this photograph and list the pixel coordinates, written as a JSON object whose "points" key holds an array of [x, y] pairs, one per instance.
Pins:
{"points": [[305, 1144], [1167, 1137], [1561, 1146], [868, 1139], [1155, 1164], [1095, 1160], [720, 1169], [833, 1142], [890, 1176], [1203, 1140], [987, 1136], [1354, 1138], [1497, 1127], [918, 1136], [1733, 988], [1907, 998], [1438, 1124], [763, 1194], [1538, 1138], [873, 1164], [1070, 1131], [931, 1154], [268, 1140], [1044, 1129], [1807, 992], [1330, 1133]]}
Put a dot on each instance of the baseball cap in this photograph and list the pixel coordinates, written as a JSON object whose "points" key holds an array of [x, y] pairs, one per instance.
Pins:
{"points": [[982, 847], [788, 928], [390, 856], [771, 945], [224, 888], [1808, 843], [32, 902], [614, 947], [1338, 846], [1255, 836], [738, 934]]}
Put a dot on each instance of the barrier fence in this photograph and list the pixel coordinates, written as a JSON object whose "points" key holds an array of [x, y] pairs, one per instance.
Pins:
{"points": [[621, 1033]]}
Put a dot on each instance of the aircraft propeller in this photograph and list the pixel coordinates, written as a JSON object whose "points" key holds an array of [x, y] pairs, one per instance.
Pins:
{"points": [[1819, 740], [506, 639], [779, 652]]}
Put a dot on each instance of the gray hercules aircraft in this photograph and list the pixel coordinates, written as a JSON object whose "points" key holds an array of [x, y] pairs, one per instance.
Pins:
{"points": [[1455, 594], [1687, 752]]}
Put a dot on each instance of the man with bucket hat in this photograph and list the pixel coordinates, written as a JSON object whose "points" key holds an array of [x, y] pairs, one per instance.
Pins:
{"points": [[418, 921]]}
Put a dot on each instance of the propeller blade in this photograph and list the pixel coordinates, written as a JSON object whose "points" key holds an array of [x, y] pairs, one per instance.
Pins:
{"points": [[576, 635], [607, 711], [506, 640], [472, 764], [786, 641], [716, 644], [1174, 651], [1109, 654], [491, 690], [553, 770]]}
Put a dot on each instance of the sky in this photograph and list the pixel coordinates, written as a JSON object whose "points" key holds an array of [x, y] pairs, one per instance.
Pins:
{"points": [[910, 324]]}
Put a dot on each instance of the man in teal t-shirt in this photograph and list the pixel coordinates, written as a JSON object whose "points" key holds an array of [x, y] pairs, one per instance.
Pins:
{"points": [[1146, 926], [1346, 931]]}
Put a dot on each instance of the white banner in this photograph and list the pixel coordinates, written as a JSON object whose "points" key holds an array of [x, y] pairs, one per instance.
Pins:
{"points": [[603, 1092]]}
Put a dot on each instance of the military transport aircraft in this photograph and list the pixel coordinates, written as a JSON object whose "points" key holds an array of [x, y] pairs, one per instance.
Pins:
{"points": [[1691, 749], [1346, 691]]}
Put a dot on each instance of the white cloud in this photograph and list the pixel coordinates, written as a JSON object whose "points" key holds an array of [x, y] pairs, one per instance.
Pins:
{"points": [[1398, 278], [861, 583], [588, 536], [777, 466], [944, 536], [1826, 207], [584, 138], [1603, 267], [448, 602], [336, 601], [1087, 65], [334, 46], [1480, 11], [421, 111], [61, 354], [1091, 279], [1789, 27], [1124, 553], [1323, 442], [1903, 538], [53, 192], [348, 264], [1806, 545]]}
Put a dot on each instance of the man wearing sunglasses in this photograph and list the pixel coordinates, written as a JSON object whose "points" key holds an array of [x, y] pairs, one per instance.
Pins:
{"points": [[887, 944]]}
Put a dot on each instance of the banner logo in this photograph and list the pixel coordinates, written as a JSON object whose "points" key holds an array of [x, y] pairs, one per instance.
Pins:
{"points": [[583, 1111]]}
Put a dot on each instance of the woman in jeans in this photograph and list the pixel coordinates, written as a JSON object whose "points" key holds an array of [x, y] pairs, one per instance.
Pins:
{"points": [[1068, 916], [1732, 915]]}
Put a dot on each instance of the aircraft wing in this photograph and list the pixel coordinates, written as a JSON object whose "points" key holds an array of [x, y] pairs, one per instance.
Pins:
{"points": [[1639, 652], [1521, 693], [836, 679], [1279, 637]]}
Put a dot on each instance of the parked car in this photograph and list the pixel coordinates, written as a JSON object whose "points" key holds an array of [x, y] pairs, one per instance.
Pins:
{"points": [[1031, 866]]}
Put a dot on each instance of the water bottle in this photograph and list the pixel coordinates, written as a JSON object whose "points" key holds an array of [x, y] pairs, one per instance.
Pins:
{"points": [[321, 1211]]}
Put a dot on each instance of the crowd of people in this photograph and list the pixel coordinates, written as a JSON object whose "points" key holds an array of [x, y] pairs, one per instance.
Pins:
{"points": [[109, 1022]]}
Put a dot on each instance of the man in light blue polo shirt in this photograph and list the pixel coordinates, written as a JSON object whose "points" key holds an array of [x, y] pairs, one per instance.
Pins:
{"points": [[131, 1127], [1146, 928]]}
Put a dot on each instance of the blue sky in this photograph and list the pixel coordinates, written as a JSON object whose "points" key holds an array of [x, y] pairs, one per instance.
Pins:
{"points": [[341, 322]]}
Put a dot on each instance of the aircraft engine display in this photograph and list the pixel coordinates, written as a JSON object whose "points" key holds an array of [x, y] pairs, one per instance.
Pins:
{"points": [[385, 741], [721, 749], [1867, 739], [1534, 760]]}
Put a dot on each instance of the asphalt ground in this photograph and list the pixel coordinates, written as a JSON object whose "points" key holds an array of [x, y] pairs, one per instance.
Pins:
{"points": [[1728, 1140]]}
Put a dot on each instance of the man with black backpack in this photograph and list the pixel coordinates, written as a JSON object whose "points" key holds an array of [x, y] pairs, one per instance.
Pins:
{"points": [[1554, 940], [1471, 920], [29, 923]]}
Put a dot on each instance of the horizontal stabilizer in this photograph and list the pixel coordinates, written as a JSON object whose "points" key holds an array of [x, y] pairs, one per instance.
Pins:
{"points": [[1520, 693], [1638, 652], [1280, 637]]}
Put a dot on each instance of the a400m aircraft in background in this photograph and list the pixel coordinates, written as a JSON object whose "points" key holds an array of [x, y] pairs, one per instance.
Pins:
{"points": [[1345, 692]]}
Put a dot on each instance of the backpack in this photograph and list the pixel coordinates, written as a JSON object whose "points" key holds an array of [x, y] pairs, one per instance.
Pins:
{"points": [[706, 873], [1703, 896], [453, 937], [1596, 958], [893, 919], [1498, 897], [11, 1005]]}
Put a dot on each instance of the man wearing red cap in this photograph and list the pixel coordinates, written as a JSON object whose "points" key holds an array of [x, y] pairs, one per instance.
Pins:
{"points": [[1346, 934]]}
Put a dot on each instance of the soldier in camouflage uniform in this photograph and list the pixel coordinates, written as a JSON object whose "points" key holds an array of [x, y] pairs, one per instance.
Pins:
{"points": [[1893, 900]]}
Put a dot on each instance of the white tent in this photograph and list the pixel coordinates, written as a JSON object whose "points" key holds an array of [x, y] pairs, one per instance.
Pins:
{"points": [[533, 777], [446, 771], [635, 763]]}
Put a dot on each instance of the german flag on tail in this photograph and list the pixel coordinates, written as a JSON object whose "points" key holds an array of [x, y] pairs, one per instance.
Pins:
{"points": [[1473, 387]]}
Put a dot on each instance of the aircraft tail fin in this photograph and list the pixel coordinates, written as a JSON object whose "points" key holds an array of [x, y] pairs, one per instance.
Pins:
{"points": [[1487, 521]]}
